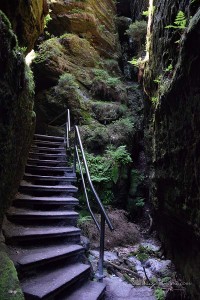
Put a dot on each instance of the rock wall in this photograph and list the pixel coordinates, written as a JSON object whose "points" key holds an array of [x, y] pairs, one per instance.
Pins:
{"points": [[27, 19], [16, 114], [17, 121], [172, 134]]}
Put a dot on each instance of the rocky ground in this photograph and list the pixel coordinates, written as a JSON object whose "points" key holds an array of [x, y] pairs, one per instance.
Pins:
{"points": [[138, 270]]}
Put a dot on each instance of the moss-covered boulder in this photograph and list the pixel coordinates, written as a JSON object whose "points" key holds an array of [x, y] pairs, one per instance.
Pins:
{"points": [[16, 114], [27, 19], [9, 283]]}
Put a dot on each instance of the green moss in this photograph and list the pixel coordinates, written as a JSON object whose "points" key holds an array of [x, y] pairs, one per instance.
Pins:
{"points": [[9, 283], [103, 75], [49, 49]]}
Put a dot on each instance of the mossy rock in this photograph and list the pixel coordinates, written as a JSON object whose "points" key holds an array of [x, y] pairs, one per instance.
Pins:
{"points": [[9, 283], [17, 118]]}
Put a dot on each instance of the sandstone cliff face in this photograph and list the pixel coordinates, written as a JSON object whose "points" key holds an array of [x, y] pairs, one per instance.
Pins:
{"points": [[92, 20], [27, 19], [173, 134]]}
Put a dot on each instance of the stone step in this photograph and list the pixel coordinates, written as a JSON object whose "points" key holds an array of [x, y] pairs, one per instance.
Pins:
{"points": [[48, 285], [47, 162], [47, 155], [48, 144], [38, 149], [26, 258], [20, 214], [48, 138], [49, 168], [27, 186], [17, 233], [88, 291], [69, 178], [31, 201]]}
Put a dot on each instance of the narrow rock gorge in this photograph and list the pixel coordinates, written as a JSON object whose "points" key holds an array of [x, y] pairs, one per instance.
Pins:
{"points": [[129, 73]]}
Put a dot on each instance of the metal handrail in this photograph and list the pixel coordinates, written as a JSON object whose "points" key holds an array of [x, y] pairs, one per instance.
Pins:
{"points": [[104, 216]]}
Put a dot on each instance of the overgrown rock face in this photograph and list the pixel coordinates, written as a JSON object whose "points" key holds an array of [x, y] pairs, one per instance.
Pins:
{"points": [[16, 114], [92, 20], [27, 19], [173, 134], [77, 68]]}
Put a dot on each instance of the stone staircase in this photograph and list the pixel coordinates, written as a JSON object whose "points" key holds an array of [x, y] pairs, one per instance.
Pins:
{"points": [[40, 229]]}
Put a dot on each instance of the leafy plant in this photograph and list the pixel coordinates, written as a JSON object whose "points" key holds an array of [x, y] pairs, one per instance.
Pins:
{"points": [[159, 294], [180, 21], [154, 100], [105, 170], [158, 79], [169, 68], [146, 13], [47, 19], [142, 253]]}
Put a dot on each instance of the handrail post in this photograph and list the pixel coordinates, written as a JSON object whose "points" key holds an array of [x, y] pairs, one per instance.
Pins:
{"points": [[67, 134], [101, 250], [75, 143]]}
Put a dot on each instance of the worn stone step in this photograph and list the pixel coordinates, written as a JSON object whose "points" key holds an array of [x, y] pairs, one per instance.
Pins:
{"points": [[47, 162], [26, 258], [17, 233], [48, 285], [19, 214], [88, 291], [37, 149], [27, 186], [31, 200], [68, 178], [48, 137], [48, 144], [49, 168], [47, 155]]}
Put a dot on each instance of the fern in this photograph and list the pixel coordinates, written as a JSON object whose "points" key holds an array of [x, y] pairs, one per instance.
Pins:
{"points": [[180, 21]]}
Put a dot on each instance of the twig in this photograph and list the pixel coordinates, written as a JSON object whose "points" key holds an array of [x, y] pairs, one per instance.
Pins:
{"points": [[124, 269], [146, 276]]}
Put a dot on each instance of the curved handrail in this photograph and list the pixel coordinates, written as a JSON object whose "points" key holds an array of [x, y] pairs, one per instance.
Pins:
{"points": [[78, 139], [104, 217]]}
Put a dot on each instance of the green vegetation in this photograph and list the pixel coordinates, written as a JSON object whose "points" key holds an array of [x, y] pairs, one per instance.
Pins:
{"points": [[123, 125], [107, 169], [154, 100], [137, 31], [143, 253], [159, 294], [135, 200], [146, 13], [169, 68], [180, 21], [50, 49], [47, 19], [9, 283], [102, 27], [103, 75], [76, 10]]}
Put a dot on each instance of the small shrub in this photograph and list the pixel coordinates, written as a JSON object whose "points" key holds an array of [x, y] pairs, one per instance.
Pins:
{"points": [[159, 294], [137, 31], [103, 75]]}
